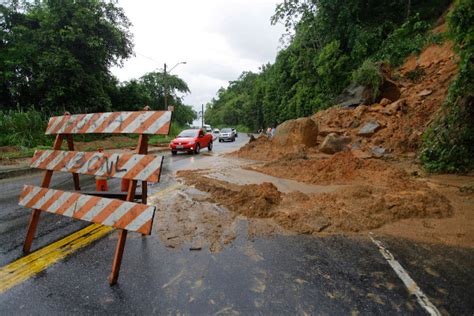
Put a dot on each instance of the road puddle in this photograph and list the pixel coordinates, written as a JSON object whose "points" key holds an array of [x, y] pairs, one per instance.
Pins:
{"points": [[242, 176]]}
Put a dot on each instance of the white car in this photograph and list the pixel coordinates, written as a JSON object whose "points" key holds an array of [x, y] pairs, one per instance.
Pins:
{"points": [[215, 133], [226, 134]]}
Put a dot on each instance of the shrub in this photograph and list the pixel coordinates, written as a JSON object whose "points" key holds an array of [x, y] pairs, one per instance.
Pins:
{"points": [[369, 75], [449, 141], [416, 75], [409, 38], [18, 128]]}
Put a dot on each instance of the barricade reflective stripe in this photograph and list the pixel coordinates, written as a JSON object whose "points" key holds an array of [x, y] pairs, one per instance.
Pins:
{"points": [[111, 212], [117, 165], [141, 122]]}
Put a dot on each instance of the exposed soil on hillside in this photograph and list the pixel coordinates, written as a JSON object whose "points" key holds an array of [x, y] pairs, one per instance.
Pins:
{"points": [[423, 82], [383, 190], [404, 121]]}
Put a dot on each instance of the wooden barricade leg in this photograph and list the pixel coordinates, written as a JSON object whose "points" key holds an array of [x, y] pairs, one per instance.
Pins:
{"points": [[36, 213], [144, 192], [141, 149], [75, 176], [145, 183], [118, 257]]}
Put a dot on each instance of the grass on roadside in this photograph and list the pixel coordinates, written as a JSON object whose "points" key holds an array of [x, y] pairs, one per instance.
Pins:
{"points": [[93, 143]]}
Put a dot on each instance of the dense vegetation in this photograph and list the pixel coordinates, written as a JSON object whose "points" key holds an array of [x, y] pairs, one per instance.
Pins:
{"points": [[329, 40], [449, 142], [333, 43], [55, 56]]}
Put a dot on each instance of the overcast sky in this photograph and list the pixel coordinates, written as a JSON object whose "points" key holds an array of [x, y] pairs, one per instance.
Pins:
{"points": [[217, 38]]}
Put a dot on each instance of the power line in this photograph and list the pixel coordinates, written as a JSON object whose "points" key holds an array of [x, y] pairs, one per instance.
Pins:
{"points": [[160, 63]]}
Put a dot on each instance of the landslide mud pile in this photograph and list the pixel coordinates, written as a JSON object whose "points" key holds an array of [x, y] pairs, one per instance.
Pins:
{"points": [[388, 127], [358, 149], [341, 168], [292, 136], [423, 82], [249, 200], [352, 208]]}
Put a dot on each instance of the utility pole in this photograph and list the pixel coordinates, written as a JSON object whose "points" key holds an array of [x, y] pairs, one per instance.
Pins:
{"points": [[165, 81], [202, 115]]}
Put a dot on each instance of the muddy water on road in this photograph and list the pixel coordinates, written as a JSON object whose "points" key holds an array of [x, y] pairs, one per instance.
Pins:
{"points": [[242, 176]]}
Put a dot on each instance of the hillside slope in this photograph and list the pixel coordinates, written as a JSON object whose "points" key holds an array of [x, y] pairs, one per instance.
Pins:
{"points": [[381, 183]]}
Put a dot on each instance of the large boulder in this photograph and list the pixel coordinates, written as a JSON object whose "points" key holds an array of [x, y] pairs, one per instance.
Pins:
{"points": [[353, 96], [356, 95], [302, 131], [389, 90], [334, 143]]}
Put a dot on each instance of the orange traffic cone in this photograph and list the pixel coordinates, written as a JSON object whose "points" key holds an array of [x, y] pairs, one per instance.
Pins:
{"points": [[101, 181], [124, 185]]}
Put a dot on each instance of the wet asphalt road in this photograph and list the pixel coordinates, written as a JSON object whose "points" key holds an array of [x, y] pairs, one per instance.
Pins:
{"points": [[273, 275]]}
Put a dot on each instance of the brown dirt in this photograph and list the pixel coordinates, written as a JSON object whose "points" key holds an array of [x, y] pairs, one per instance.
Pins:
{"points": [[9, 149], [340, 168], [107, 143], [255, 150], [401, 130], [190, 218], [359, 208], [291, 137], [389, 196], [402, 125], [250, 200], [182, 220], [455, 230]]}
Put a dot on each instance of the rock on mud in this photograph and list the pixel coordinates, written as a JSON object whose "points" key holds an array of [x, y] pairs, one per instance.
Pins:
{"points": [[385, 101], [425, 92], [378, 151], [302, 131], [394, 107], [334, 143], [354, 96], [369, 128], [316, 224]]}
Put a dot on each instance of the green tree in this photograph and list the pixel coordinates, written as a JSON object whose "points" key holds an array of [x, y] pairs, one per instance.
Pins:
{"points": [[55, 55], [155, 83], [325, 42]]}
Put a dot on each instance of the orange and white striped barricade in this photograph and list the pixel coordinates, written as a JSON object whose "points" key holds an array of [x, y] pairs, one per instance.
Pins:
{"points": [[98, 207]]}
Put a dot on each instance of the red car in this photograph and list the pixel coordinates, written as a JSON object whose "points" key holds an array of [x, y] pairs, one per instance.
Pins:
{"points": [[191, 141]]}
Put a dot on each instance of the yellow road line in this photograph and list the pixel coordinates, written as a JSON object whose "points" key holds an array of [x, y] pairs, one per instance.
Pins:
{"points": [[30, 265], [173, 187]]}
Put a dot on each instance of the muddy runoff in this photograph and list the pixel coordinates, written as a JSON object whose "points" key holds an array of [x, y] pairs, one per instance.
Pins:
{"points": [[384, 195]]}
